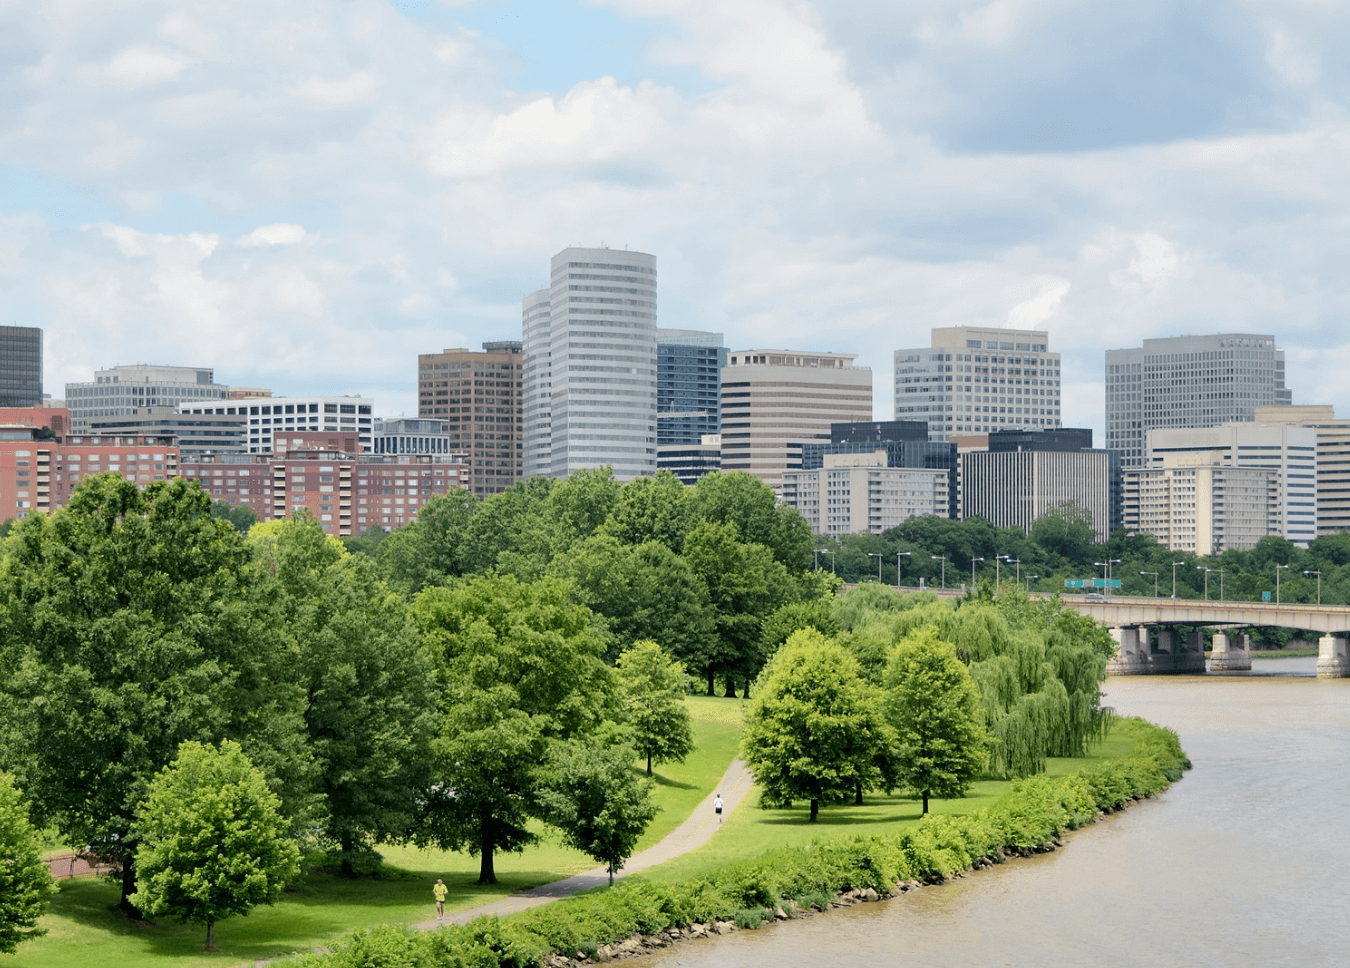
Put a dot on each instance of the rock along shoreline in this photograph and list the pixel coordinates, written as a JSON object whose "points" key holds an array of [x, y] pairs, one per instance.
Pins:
{"points": [[638, 945]]}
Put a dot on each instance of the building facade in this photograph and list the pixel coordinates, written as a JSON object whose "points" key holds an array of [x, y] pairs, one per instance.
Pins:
{"points": [[123, 391], [223, 432], [1288, 450], [39, 475], [688, 385], [409, 435], [775, 401], [977, 379], [689, 462], [477, 398], [1013, 488], [860, 493], [596, 370], [1333, 459], [20, 366], [276, 415], [1188, 381], [926, 454], [1204, 508]]}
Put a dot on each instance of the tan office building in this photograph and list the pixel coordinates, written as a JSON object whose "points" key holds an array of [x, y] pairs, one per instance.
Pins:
{"points": [[773, 401], [1333, 459], [476, 395]]}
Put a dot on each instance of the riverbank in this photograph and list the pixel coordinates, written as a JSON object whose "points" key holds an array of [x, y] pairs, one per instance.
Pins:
{"points": [[1028, 819]]}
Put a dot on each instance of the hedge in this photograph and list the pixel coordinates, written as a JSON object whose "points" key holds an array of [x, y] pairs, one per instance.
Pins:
{"points": [[1034, 811]]}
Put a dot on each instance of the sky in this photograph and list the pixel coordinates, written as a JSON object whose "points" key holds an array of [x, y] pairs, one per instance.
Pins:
{"points": [[305, 194]]}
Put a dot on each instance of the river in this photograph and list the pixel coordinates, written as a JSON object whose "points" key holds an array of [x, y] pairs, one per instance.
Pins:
{"points": [[1245, 861]]}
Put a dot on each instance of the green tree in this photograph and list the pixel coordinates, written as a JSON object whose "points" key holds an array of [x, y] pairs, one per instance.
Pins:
{"points": [[935, 710], [430, 549], [745, 585], [745, 501], [814, 730], [510, 531], [25, 882], [651, 509], [1066, 531], [592, 795], [240, 516], [653, 687], [520, 666], [129, 622], [816, 614], [213, 841], [369, 710]]}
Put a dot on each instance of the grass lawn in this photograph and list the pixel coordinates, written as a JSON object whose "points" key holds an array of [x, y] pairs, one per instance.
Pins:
{"points": [[85, 932], [751, 830]]}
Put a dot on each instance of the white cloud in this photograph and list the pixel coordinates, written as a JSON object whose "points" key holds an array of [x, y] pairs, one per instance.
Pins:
{"points": [[281, 233]]}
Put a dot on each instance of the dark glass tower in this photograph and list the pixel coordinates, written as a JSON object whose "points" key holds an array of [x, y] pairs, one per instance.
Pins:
{"points": [[688, 385], [20, 366]]}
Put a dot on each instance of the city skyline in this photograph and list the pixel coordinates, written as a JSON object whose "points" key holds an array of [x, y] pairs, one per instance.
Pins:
{"points": [[397, 182]]}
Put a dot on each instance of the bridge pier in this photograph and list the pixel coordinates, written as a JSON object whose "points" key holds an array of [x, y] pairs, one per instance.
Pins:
{"points": [[1136, 656], [1232, 652], [1333, 657]]}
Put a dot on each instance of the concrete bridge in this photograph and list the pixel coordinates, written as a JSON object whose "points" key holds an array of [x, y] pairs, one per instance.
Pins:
{"points": [[1147, 646]]}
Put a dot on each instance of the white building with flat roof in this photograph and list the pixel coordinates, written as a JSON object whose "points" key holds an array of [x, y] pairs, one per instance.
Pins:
{"points": [[122, 391], [1289, 451], [1333, 459], [976, 379], [858, 493], [271, 415]]}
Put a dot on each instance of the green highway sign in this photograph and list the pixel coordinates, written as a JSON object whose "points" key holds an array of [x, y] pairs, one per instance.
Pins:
{"points": [[1073, 583], [1106, 583], [1092, 583]]}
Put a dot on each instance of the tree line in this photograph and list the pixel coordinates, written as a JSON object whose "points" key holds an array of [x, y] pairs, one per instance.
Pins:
{"points": [[492, 666]]}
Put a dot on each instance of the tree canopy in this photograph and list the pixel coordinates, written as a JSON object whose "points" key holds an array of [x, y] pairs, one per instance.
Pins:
{"points": [[25, 882], [213, 841], [653, 686]]}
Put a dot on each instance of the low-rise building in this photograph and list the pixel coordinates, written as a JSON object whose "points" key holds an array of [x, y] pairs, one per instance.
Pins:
{"points": [[39, 475], [268, 416], [210, 430], [858, 492]]}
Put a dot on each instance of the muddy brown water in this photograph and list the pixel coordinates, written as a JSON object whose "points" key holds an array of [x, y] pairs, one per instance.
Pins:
{"points": [[1245, 861]]}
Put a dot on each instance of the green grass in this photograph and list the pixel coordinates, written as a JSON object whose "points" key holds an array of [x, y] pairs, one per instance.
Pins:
{"points": [[752, 830], [86, 932]]}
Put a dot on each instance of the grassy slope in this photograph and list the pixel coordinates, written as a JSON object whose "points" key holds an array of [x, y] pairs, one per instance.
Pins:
{"points": [[85, 933]]}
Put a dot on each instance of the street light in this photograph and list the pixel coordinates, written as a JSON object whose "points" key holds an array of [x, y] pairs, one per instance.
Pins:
{"points": [[972, 572], [1030, 579], [1278, 566], [1220, 584], [1155, 581], [943, 559], [1109, 562], [1014, 561], [1319, 584], [1206, 571], [878, 556], [1174, 578], [834, 558], [898, 556]]}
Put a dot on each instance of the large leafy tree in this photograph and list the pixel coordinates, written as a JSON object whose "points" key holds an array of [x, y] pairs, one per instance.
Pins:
{"points": [[430, 549], [130, 622], [815, 730], [745, 501], [651, 509], [934, 707], [520, 668], [214, 843], [369, 706], [592, 796], [653, 690], [745, 585], [25, 882]]}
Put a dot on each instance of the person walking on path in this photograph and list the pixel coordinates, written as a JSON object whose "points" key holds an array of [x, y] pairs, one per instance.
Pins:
{"points": [[717, 807], [439, 890]]}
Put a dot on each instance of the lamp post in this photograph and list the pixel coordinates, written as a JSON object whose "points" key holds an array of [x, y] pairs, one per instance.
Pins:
{"points": [[1206, 571], [1155, 581], [1278, 566], [943, 559], [972, 572], [1110, 572], [878, 556], [834, 557], [898, 556], [1030, 579], [1220, 584], [1174, 578], [1318, 573]]}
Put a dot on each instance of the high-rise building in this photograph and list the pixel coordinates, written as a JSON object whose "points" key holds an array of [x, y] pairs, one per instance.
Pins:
{"points": [[688, 384], [20, 366], [689, 462], [775, 401], [127, 390], [1188, 381], [976, 379], [1288, 450], [1015, 487], [590, 370], [1203, 508], [276, 415], [1333, 459], [477, 398]]}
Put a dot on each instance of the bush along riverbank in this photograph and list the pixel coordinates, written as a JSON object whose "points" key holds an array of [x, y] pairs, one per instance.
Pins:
{"points": [[636, 916]]}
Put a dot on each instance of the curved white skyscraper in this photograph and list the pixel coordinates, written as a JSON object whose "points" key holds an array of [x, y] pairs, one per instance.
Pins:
{"points": [[590, 374]]}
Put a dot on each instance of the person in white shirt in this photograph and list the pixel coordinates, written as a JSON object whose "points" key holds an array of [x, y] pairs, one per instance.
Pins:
{"points": [[717, 807]]}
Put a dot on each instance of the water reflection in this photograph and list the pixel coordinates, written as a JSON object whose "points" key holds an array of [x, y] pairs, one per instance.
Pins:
{"points": [[1241, 863]]}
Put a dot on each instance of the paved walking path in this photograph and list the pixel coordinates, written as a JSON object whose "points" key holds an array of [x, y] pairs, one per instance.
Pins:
{"points": [[694, 832]]}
